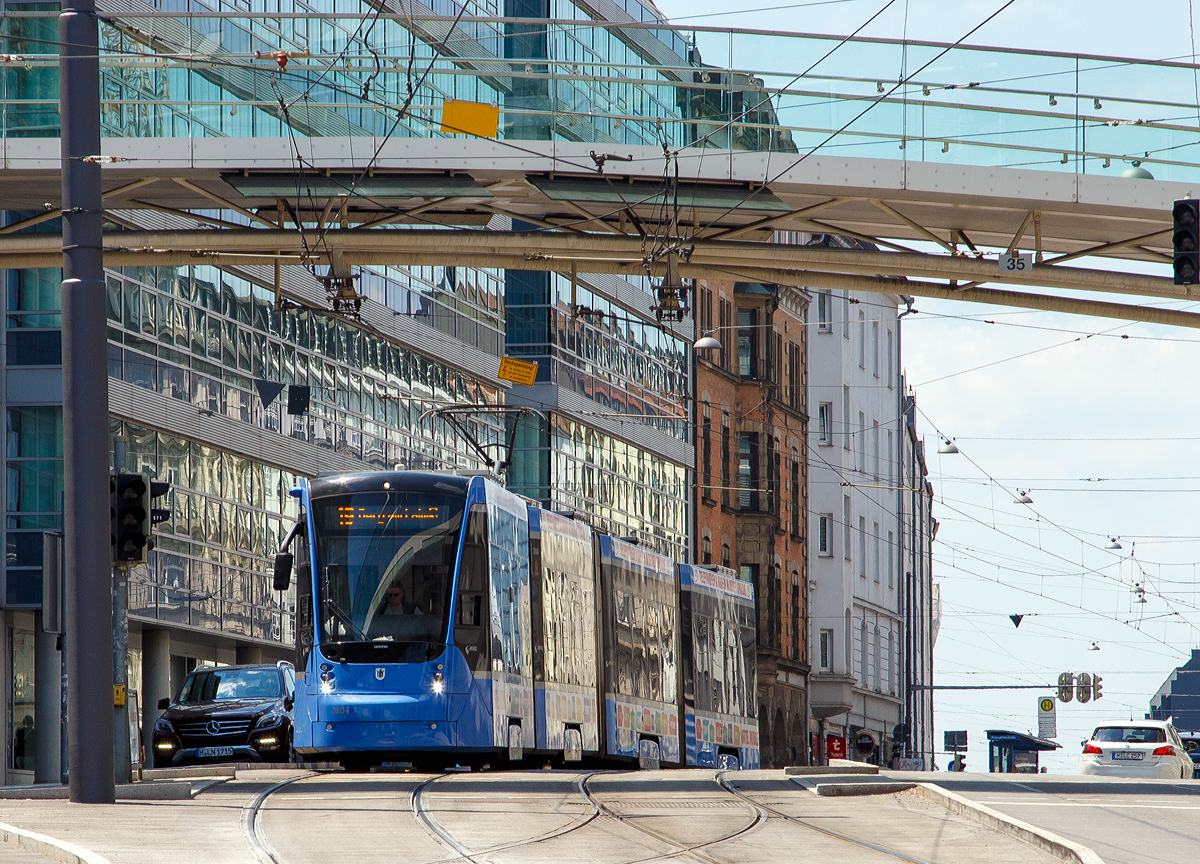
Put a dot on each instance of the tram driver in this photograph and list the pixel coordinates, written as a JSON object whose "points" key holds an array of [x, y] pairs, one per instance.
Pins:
{"points": [[395, 604]]}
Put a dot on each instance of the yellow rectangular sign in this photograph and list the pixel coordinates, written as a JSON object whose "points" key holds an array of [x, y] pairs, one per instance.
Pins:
{"points": [[118, 695], [470, 118], [518, 371]]}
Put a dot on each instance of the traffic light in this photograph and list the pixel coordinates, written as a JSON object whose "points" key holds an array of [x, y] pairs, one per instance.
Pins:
{"points": [[1185, 241], [1066, 687], [1096, 679], [158, 515], [1083, 687], [130, 517]]}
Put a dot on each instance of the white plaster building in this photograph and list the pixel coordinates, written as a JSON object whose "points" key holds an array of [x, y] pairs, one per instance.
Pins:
{"points": [[860, 460]]}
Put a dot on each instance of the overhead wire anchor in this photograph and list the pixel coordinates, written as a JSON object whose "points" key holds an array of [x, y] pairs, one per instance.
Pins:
{"points": [[601, 158]]}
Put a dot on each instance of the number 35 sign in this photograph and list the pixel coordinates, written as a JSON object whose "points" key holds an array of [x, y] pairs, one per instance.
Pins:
{"points": [[1019, 262]]}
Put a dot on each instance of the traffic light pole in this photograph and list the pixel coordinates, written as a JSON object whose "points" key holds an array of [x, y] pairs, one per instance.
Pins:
{"points": [[85, 414]]}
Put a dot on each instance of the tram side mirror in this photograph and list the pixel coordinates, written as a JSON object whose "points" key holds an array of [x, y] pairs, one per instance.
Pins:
{"points": [[283, 570], [164, 703]]}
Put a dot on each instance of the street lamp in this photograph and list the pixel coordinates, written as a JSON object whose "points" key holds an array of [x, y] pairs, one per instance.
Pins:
{"points": [[947, 446], [1022, 497], [1112, 543], [707, 342]]}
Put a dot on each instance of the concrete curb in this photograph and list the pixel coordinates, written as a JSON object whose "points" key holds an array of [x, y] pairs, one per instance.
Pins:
{"points": [[1039, 838], [883, 787], [818, 770], [49, 847], [167, 791]]}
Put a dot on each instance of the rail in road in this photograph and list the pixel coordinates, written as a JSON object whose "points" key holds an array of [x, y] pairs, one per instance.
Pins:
{"points": [[599, 801]]}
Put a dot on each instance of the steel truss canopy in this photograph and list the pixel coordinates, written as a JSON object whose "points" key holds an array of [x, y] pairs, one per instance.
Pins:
{"points": [[670, 149], [718, 214]]}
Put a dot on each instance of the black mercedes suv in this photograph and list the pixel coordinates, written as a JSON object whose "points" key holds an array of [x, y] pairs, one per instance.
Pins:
{"points": [[228, 714]]}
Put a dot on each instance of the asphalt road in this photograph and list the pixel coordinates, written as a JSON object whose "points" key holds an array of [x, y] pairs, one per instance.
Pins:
{"points": [[1122, 821]]}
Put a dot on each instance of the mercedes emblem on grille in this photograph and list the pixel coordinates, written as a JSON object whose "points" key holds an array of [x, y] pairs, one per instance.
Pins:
{"points": [[214, 728]]}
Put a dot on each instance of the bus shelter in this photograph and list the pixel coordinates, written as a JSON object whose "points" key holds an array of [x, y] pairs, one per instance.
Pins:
{"points": [[1015, 753]]}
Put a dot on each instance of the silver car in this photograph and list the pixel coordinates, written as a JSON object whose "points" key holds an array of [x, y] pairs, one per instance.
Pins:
{"points": [[1139, 748]]}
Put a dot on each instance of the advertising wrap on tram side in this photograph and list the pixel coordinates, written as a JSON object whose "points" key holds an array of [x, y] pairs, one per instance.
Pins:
{"points": [[565, 650], [718, 658], [640, 641]]}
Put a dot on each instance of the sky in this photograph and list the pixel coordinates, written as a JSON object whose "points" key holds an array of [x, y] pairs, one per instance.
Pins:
{"points": [[1102, 430]]}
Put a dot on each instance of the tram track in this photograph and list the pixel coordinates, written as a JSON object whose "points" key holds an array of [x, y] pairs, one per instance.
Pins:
{"points": [[260, 846], [439, 832], [721, 781]]}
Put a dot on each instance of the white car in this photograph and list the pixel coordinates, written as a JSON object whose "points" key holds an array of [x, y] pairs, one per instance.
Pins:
{"points": [[1139, 748]]}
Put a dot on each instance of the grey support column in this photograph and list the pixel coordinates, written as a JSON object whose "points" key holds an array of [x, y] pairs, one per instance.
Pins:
{"points": [[47, 705], [85, 414], [248, 654], [156, 681]]}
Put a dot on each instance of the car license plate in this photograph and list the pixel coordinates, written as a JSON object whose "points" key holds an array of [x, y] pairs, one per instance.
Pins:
{"points": [[209, 752], [1130, 755]]}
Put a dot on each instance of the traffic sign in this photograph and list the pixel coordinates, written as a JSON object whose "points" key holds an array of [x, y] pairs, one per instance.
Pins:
{"points": [[1047, 717], [518, 371]]}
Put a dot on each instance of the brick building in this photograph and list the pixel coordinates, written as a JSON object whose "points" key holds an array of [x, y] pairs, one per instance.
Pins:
{"points": [[751, 496]]}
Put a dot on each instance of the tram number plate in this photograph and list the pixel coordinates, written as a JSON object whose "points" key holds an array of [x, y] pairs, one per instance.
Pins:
{"points": [[1131, 755], [210, 752]]}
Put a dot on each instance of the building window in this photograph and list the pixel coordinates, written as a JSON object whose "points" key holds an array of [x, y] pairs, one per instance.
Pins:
{"points": [[825, 423], [876, 640], [706, 321], [824, 312], [706, 550], [825, 648], [891, 559], [862, 340], [875, 447], [863, 669], [725, 312], [889, 459], [890, 368], [861, 464], [748, 470], [795, 494], [795, 391], [846, 416], [706, 453], [725, 559], [747, 343], [845, 314], [862, 547], [875, 348], [726, 443], [824, 535], [20, 646], [797, 643], [846, 526], [876, 562]]}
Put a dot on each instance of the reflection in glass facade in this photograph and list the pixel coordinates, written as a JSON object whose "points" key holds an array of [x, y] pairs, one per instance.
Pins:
{"points": [[211, 565], [201, 335]]}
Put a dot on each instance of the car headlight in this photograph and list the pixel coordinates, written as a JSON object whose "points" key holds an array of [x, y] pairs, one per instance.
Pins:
{"points": [[269, 720], [164, 725]]}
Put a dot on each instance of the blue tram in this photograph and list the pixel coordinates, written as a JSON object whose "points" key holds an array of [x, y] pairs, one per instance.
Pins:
{"points": [[442, 619]]}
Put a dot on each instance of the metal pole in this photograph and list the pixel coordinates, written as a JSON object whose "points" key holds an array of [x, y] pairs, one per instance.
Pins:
{"points": [[120, 644], [85, 414]]}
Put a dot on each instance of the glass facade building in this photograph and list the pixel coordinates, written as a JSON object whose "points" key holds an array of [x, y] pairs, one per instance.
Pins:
{"points": [[189, 344]]}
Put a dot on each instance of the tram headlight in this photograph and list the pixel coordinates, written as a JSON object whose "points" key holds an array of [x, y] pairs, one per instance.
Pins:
{"points": [[328, 683], [439, 686]]}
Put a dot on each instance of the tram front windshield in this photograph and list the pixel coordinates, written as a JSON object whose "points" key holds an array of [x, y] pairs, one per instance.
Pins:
{"points": [[385, 565]]}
